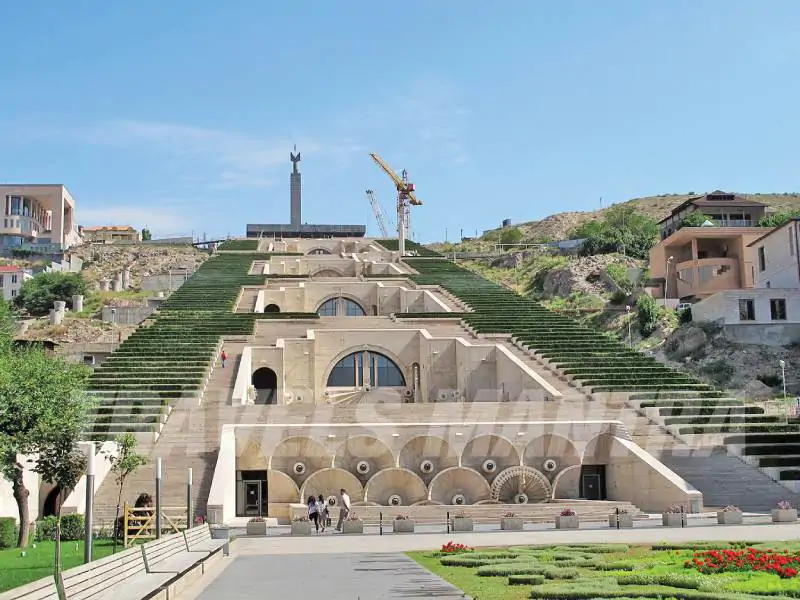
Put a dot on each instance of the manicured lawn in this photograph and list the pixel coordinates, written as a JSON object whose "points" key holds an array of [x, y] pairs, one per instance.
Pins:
{"points": [[17, 570], [579, 572]]}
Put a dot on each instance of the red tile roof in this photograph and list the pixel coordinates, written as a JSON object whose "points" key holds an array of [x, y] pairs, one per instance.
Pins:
{"points": [[10, 269]]}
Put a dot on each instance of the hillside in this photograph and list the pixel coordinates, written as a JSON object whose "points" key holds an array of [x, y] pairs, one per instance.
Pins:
{"points": [[557, 226]]}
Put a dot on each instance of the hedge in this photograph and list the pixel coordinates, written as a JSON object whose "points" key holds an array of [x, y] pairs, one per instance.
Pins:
{"points": [[8, 532]]}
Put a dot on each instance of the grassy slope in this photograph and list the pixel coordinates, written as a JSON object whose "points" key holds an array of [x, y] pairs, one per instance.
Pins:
{"points": [[17, 570]]}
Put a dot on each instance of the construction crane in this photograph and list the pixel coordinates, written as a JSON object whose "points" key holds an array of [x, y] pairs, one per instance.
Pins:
{"points": [[405, 200], [379, 214]]}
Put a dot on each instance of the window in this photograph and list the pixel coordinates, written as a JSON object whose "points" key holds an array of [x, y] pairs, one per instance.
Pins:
{"points": [[769, 285], [762, 259], [1, 280], [366, 368], [746, 310], [332, 308], [13, 279], [13, 293], [777, 309]]}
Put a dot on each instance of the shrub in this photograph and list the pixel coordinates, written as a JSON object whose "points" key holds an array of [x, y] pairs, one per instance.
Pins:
{"points": [[770, 379], [510, 235], [568, 512], [676, 580], [647, 313], [8, 532], [45, 529], [525, 580], [73, 527], [38, 294], [618, 298]]}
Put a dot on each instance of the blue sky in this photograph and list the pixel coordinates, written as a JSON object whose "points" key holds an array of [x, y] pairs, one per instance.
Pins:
{"points": [[180, 115]]}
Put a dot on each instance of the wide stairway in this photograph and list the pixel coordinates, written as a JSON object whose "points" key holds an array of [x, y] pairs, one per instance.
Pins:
{"points": [[687, 410]]}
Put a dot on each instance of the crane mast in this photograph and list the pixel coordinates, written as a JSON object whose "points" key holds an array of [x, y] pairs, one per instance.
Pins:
{"points": [[405, 200], [380, 217]]}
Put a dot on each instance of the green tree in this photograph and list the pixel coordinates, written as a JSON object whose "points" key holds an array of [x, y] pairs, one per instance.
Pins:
{"points": [[510, 235], [146, 235], [777, 219], [622, 229], [43, 408], [38, 293], [125, 462], [695, 219]]}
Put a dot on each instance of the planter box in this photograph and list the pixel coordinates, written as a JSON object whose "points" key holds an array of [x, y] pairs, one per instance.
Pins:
{"points": [[729, 518], [511, 524], [672, 519], [353, 527], [301, 527], [625, 520], [567, 522], [780, 515], [462, 524], [402, 526], [257, 528]]}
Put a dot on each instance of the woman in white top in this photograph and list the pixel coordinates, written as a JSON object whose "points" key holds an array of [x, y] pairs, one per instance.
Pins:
{"points": [[313, 512]]}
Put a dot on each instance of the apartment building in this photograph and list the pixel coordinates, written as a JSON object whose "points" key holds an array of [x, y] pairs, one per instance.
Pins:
{"points": [[37, 217]]}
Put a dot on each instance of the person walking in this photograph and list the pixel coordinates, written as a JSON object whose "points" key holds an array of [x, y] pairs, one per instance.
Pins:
{"points": [[224, 358], [313, 512], [324, 513], [344, 510]]}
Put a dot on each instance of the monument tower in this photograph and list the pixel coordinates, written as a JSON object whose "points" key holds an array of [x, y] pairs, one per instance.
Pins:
{"points": [[294, 189]]}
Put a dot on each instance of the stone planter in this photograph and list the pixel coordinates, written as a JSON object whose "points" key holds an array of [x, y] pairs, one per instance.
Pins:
{"points": [[729, 518], [257, 528], [567, 522], [402, 526], [625, 520], [301, 527], [672, 519], [780, 515], [461, 524], [353, 526], [511, 524]]}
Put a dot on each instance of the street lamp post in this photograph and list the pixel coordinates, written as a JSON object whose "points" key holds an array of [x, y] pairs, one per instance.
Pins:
{"points": [[666, 278], [88, 520], [783, 377], [630, 337]]}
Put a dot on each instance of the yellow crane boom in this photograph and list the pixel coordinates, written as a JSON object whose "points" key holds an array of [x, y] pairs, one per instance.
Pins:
{"points": [[404, 188]]}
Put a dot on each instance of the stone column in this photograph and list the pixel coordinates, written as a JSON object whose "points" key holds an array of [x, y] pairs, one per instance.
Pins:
{"points": [[105, 285], [56, 317], [117, 285], [126, 278], [77, 303]]}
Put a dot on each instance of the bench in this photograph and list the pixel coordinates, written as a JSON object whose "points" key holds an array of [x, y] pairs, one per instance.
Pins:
{"points": [[122, 576], [170, 555], [42, 589], [198, 539]]}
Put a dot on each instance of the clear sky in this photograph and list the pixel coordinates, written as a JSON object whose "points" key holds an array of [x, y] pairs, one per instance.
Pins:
{"points": [[180, 114]]}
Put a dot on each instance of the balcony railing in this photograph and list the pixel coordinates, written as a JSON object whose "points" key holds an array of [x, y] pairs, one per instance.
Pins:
{"points": [[734, 223]]}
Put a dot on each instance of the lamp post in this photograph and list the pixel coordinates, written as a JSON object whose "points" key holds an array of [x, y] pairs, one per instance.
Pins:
{"points": [[189, 499], [783, 376], [158, 497], [630, 336], [666, 279], [87, 541]]}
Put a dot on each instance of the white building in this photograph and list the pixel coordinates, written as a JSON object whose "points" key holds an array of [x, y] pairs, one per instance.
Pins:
{"points": [[776, 257], [11, 278]]}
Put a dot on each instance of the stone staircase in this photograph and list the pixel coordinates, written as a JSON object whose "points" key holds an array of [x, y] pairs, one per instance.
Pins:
{"points": [[247, 300]]}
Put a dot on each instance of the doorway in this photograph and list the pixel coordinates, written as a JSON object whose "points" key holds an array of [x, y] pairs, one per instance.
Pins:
{"points": [[593, 482], [265, 380], [251, 492], [272, 308]]}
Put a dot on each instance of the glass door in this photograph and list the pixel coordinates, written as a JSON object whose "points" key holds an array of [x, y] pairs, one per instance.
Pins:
{"points": [[252, 498]]}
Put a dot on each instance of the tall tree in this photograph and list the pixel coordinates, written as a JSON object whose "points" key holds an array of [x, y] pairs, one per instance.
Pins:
{"points": [[42, 410], [124, 463]]}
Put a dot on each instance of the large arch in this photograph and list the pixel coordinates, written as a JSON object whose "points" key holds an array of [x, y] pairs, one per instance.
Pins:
{"points": [[489, 454], [326, 272], [340, 306], [299, 457], [265, 380], [272, 308], [364, 367], [427, 455], [318, 250], [551, 453]]}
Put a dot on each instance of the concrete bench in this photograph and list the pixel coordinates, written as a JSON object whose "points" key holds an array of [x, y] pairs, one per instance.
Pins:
{"points": [[170, 555], [42, 589], [198, 539], [122, 576]]}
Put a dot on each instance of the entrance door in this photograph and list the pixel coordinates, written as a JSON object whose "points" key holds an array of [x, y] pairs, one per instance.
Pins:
{"points": [[593, 482], [252, 498]]}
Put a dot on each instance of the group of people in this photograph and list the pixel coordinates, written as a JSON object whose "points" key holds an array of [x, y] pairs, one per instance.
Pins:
{"points": [[319, 513]]}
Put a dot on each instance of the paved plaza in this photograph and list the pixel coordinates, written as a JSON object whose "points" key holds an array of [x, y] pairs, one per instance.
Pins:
{"points": [[372, 567]]}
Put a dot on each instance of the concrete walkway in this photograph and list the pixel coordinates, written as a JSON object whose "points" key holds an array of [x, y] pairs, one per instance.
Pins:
{"points": [[329, 577]]}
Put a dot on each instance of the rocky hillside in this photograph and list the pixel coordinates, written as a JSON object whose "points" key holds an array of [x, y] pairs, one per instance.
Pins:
{"points": [[557, 226]]}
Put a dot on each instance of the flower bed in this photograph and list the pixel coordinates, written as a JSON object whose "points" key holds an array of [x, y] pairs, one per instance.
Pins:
{"points": [[783, 564]]}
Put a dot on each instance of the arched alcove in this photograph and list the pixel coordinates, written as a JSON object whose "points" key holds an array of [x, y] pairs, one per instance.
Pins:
{"points": [[340, 307], [366, 367], [272, 308], [265, 380]]}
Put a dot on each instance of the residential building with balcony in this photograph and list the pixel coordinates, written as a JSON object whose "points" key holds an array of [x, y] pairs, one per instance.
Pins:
{"points": [[723, 209], [110, 234], [37, 217], [11, 278], [695, 262]]}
